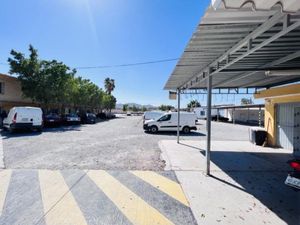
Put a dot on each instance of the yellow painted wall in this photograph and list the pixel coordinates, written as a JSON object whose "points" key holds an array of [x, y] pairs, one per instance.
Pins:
{"points": [[289, 90], [270, 114], [273, 97]]}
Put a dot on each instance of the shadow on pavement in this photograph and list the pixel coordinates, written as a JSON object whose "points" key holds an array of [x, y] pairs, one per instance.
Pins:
{"points": [[16, 134], [261, 175], [63, 128], [191, 146], [174, 133], [27, 133]]}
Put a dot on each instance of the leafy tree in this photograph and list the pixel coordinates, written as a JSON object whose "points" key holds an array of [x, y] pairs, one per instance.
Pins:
{"points": [[144, 109], [29, 73], [193, 104], [135, 109], [45, 82], [109, 85], [52, 82], [109, 102], [246, 101], [125, 108], [165, 107], [58, 84]]}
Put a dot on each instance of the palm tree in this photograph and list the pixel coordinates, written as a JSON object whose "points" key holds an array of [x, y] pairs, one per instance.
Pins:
{"points": [[109, 85]]}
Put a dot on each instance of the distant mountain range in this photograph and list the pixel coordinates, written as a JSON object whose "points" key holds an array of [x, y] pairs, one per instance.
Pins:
{"points": [[120, 105]]}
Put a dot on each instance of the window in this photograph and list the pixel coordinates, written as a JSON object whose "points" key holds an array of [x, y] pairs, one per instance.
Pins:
{"points": [[1, 88], [202, 113], [165, 117]]}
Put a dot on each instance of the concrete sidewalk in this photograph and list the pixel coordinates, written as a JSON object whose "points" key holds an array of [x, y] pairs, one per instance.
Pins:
{"points": [[246, 186]]}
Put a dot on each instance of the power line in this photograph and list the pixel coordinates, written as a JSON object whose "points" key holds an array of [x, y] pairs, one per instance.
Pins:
{"points": [[120, 65], [127, 65]]}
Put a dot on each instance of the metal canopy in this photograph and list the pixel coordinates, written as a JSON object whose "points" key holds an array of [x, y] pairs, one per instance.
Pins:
{"points": [[286, 5], [237, 46]]}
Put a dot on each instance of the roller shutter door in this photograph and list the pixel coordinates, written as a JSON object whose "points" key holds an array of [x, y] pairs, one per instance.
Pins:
{"points": [[288, 126]]}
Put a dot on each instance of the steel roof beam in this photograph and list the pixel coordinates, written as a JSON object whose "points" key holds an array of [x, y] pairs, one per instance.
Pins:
{"points": [[284, 31], [274, 63], [261, 29], [253, 83]]}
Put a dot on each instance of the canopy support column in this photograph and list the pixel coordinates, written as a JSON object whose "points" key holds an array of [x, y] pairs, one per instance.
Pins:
{"points": [[178, 115], [259, 117], [233, 115], [208, 124], [248, 115]]}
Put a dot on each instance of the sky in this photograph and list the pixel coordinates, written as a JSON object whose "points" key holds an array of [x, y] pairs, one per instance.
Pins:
{"points": [[84, 33]]}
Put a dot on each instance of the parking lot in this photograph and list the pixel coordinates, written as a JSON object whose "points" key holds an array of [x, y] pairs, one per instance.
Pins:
{"points": [[100, 173], [118, 144]]}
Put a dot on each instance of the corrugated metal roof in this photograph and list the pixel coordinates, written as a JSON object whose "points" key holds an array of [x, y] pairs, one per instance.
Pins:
{"points": [[286, 5], [253, 40]]}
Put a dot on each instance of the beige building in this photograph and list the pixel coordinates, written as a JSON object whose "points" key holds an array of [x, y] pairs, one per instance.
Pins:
{"points": [[11, 93]]}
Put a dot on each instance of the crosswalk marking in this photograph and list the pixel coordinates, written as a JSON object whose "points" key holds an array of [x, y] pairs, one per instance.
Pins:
{"points": [[164, 184], [60, 206], [4, 182], [131, 205]]}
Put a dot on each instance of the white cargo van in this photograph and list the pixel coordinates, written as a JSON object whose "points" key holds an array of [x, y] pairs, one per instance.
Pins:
{"points": [[168, 122], [24, 118]]}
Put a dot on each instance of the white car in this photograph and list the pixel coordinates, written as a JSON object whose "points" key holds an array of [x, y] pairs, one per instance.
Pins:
{"points": [[30, 118], [168, 122]]}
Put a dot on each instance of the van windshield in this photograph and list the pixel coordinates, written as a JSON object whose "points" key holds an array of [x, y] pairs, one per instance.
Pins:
{"points": [[165, 117]]}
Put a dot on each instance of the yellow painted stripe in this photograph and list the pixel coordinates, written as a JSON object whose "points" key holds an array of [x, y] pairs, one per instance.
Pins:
{"points": [[59, 204], [131, 205], [164, 184], [4, 182]]}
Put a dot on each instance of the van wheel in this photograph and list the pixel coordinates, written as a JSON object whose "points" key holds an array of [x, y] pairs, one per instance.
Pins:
{"points": [[186, 130], [153, 129]]}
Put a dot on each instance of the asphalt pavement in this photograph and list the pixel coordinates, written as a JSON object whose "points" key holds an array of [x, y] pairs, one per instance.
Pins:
{"points": [[118, 144]]}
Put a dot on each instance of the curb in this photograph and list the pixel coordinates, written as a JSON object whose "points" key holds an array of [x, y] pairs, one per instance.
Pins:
{"points": [[164, 156]]}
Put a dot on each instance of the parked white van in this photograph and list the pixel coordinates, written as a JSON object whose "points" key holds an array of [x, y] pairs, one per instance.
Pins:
{"points": [[168, 122], [24, 118], [148, 115]]}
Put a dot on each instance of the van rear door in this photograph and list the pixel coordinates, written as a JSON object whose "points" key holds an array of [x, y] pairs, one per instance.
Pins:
{"points": [[36, 117], [23, 115]]}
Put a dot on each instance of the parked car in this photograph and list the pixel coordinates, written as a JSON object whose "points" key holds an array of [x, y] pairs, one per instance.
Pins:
{"points": [[52, 119], [168, 122], [88, 118], [30, 118], [148, 115], [110, 115], [293, 178], [101, 115], [71, 118], [221, 118]]}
